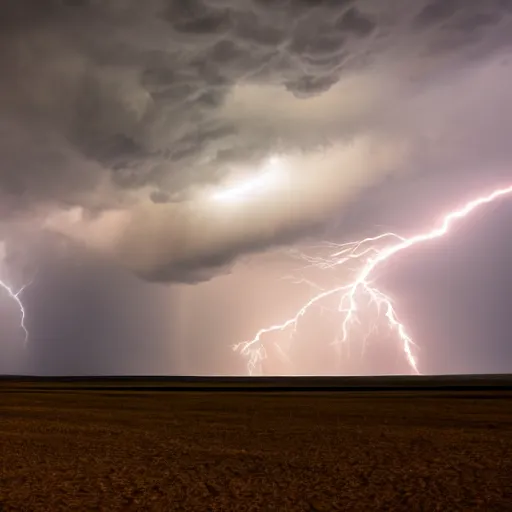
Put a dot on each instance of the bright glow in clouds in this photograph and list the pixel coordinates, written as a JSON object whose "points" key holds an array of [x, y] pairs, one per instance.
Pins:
{"points": [[356, 296], [251, 209], [268, 179]]}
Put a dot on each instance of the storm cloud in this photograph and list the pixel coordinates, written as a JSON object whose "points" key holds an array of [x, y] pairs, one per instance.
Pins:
{"points": [[119, 118]]}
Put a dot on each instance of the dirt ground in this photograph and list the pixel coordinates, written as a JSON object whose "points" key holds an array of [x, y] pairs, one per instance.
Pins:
{"points": [[196, 451]]}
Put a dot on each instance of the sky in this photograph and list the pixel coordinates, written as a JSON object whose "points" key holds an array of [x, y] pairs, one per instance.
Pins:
{"points": [[161, 163]]}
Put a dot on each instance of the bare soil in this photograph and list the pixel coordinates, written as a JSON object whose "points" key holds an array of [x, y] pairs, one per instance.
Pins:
{"points": [[223, 451]]}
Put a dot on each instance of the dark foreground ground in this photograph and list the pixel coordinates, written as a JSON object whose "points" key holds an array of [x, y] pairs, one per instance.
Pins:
{"points": [[121, 447]]}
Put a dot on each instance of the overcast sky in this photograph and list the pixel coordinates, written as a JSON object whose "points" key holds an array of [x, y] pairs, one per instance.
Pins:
{"points": [[123, 122]]}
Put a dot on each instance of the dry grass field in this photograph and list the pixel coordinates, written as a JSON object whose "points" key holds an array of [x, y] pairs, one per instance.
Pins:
{"points": [[65, 448]]}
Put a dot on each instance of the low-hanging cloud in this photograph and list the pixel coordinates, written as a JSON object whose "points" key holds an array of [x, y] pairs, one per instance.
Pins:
{"points": [[119, 117]]}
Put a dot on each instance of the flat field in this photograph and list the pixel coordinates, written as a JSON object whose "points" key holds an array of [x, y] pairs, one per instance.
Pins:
{"points": [[115, 446]]}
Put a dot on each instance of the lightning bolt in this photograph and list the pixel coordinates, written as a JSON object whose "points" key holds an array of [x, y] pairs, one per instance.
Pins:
{"points": [[352, 296], [15, 296]]}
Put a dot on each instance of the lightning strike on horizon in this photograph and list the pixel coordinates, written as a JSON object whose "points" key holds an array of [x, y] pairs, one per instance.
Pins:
{"points": [[350, 295], [16, 297]]}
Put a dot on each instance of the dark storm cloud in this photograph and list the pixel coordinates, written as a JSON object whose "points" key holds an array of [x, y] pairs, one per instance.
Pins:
{"points": [[106, 104], [352, 21], [464, 15], [131, 87], [216, 254]]}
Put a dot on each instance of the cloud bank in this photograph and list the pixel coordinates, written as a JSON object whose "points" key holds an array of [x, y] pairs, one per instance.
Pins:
{"points": [[120, 118]]}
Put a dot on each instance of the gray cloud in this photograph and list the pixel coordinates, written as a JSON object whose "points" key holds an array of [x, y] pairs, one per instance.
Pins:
{"points": [[131, 111], [461, 15]]}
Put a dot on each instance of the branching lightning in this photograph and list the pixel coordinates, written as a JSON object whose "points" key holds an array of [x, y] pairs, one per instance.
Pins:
{"points": [[355, 296]]}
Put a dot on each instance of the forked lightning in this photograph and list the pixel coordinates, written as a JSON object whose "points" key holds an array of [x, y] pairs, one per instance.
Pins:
{"points": [[352, 296]]}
